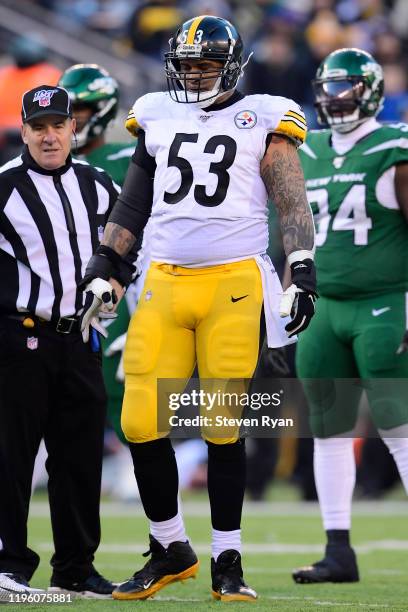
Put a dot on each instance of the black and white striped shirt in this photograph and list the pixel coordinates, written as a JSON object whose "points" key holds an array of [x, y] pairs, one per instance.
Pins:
{"points": [[50, 224]]}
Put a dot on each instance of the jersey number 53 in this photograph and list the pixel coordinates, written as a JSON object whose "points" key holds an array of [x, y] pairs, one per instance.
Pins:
{"points": [[187, 176]]}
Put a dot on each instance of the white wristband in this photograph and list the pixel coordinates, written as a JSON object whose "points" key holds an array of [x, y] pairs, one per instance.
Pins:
{"points": [[300, 256]]}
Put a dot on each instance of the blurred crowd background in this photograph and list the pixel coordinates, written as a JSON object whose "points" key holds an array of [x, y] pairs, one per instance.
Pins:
{"points": [[39, 39], [288, 38]]}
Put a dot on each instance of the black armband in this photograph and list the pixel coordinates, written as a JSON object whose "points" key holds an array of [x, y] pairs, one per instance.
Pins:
{"points": [[304, 275], [110, 254], [124, 273], [106, 263], [122, 270], [99, 266]]}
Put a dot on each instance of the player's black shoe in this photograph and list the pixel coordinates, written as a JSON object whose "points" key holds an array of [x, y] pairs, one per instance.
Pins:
{"points": [[177, 562], [93, 587], [338, 565], [227, 578]]}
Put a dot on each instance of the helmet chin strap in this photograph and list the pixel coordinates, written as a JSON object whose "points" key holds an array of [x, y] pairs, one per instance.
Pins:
{"points": [[80, 138], [244, 65], [192, 98], [83, 136], [211, 95], [343, 127]]}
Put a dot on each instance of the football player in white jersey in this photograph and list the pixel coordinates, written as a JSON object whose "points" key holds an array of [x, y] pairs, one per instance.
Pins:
{"points": [[207, 160]]}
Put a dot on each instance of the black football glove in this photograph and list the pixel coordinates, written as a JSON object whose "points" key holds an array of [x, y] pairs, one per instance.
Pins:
{"points": [[298, 301], [100, 296], [403, 347]]}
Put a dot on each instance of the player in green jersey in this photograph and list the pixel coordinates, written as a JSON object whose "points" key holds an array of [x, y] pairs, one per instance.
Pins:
{"points": [[357, 182], [95, 100]]}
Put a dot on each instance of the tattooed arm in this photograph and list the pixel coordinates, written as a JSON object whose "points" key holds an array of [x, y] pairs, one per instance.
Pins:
{"points": [[122, 238], [121, 241], [118, 238], [283, 177], [132, 210], [123, 232], [113, 259]]}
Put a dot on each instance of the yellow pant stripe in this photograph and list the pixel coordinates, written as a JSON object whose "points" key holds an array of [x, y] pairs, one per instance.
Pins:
{"points": [[193, 29]]}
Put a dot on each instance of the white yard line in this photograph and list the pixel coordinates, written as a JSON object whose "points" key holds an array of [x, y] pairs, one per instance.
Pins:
{"points": [[309, 600], [182, 599], [270, 571], [329, 603], [202, 509], [248, 547]]}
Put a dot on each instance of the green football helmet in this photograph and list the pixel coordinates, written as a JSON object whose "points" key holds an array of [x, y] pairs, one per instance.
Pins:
{"points": [[349, 88], [90, 85]]}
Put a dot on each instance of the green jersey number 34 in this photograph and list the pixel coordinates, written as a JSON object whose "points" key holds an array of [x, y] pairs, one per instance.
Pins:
{"points": [[350, 216]]}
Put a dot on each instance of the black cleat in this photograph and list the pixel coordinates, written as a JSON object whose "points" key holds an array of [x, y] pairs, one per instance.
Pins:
{"points": [[227, 578], [94, 587], [176, 563], [338, 565]]}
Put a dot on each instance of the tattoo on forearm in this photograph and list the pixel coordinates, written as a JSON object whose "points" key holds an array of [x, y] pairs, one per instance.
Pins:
{"points": [[118, 238], [283, 177]]}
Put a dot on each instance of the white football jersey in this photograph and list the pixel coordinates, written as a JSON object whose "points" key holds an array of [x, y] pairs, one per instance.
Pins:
{"points": [[210, 202]]}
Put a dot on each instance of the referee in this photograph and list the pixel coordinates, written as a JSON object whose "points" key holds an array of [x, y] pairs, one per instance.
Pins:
{"points": [[52, 214]]}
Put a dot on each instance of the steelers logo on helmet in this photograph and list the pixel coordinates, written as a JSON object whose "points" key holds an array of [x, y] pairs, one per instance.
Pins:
{"points": [[349, 89], [204, 61]]}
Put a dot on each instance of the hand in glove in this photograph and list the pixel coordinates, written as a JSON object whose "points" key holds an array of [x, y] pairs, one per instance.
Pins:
{"points": [[298, 301], [99, 296]]}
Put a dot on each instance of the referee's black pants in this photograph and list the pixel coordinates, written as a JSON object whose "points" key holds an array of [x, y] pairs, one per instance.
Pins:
{"points": [[53, 390]]}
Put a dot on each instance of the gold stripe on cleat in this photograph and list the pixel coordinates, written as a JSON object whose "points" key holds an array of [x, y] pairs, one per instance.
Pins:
{"points": [[233, 597], [190, 572]]}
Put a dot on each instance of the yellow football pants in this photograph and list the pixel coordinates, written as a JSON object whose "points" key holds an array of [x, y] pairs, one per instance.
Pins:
{"points": [[209, 316]]}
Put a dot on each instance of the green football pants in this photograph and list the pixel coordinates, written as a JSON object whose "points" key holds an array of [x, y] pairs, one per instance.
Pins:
{"points": [[351, 345]]}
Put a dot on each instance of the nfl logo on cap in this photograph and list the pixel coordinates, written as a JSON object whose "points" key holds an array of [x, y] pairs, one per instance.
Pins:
{"points": [[45, 100], [44, 96]]}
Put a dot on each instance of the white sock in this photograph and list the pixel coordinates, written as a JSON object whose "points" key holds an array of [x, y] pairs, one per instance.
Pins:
{"points": [[397, 441], [169, 531], [225, 540], [335, 476]]}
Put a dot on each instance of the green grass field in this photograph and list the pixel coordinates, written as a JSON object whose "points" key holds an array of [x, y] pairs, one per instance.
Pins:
{"points": [[278, 535]]}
